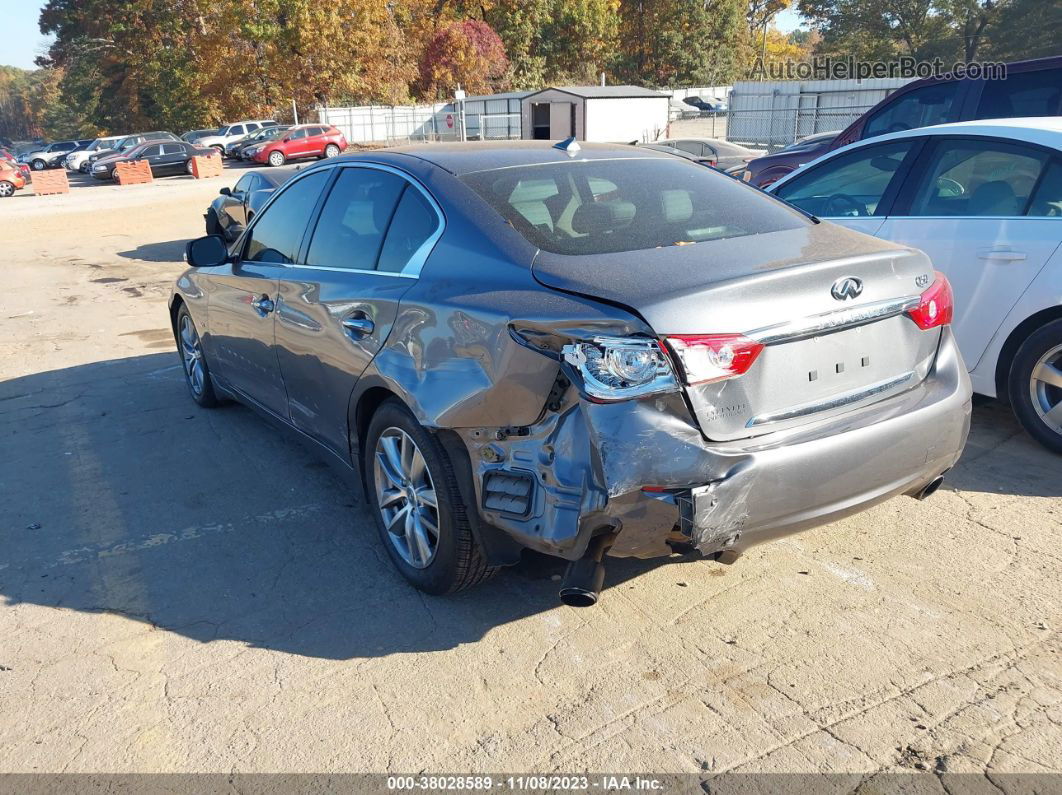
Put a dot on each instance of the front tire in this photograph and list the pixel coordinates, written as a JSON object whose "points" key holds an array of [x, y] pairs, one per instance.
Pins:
{"points": [[213, 225], [276, 158], [196, 371], [38, 165], [413, 496], [6, 189], [1035, 385]]}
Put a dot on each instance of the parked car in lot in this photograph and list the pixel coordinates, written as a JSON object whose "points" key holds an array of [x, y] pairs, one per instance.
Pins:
{"points": [[984, 200], [239, 148], [706, 104], [78, 159], [230, 132], [163, 157], [1032, 88], [306, 140], [11, 179], [40, 159], [580, 351], [195, 136], [709, 151], [765, 169], [128, 143], [234, 208]]}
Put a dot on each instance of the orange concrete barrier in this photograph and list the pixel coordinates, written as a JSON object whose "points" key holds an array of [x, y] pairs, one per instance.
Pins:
{"points": [[135, 172], [209, 166], [48, 182]]}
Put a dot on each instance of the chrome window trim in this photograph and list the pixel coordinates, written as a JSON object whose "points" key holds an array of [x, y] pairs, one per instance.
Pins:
{"points": [[835, 320], [836, 402], [413, 265]]}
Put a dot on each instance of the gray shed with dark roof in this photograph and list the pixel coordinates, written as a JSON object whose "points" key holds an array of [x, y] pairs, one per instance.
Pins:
{"points": [[616, 114]]}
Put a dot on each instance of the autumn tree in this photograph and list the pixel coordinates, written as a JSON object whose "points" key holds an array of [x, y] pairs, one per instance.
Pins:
{"points": [[466, 54]]}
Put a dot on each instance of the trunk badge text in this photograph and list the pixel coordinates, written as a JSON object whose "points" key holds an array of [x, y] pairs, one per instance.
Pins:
{"points": [[846, 287]]}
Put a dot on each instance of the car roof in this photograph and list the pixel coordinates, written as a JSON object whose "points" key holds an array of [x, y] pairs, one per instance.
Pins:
{"points": [[464, 158], [1046, 130]]}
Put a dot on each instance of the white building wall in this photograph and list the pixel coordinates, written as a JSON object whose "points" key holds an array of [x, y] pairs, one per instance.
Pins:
{"points": [[623, 120], [387, 123]]}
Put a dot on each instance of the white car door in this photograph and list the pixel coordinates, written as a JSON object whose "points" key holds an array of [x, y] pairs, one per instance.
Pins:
{"points": [[850, 189], [969, 205]]}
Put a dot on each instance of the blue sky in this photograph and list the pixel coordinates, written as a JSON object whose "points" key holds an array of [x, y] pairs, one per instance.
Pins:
{"points": [[23, 40]]}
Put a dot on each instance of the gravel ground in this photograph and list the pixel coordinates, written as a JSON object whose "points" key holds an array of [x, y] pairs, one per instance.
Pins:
{"points": [[187, 590]]}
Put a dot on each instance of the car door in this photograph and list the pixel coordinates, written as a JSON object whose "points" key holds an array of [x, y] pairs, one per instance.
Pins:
{"points": [[173, 158], [243, 294], [296, 144], [972, 205], [854, 188], [153, 155], [337, 306]]}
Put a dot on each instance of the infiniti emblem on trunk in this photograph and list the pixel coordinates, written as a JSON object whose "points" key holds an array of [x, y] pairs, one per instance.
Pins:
{"points": [[847, 287]]}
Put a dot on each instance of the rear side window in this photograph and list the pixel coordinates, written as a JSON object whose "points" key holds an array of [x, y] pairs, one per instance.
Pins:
{"points": [[414, 222], [933, 104], [355, 218], [1036, 93], [280, 229], [299, 133], [977, 178], [1047, 201], [849, 185], [604, 206]]}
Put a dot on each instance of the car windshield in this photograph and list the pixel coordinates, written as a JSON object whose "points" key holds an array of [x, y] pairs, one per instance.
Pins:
{"points": [[607, 206]]}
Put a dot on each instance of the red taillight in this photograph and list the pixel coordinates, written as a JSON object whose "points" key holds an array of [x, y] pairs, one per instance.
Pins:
{"points": [[713, 357], [936, 307]]}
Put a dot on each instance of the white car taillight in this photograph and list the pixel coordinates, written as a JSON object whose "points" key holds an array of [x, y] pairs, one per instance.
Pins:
{"points": [[713, 357], [620, 368]]}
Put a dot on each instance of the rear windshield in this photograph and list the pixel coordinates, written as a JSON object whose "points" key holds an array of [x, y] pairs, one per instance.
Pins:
{"points": [[608, 206]]}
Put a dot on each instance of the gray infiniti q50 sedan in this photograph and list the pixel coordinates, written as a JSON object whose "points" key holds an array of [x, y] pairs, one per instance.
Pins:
{"points": [[583, 351]]}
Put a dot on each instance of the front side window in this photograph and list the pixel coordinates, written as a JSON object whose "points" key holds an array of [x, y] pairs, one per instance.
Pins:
{"points": [[277, 235], [604, 206], [977, 178], [922, 107], [244, 184], [354, 220], [849, 185], [1037, 93]]}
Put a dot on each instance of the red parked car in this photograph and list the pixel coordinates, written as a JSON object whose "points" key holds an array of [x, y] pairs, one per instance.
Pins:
{"points": [[306, 140], [11, 179], [1032, 88]]}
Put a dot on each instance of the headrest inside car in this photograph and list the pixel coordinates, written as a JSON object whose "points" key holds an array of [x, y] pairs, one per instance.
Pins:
{"points": [[596, 218]]}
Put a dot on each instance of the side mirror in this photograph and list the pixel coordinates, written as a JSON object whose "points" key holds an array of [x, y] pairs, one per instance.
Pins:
{"points": [[225, 192], [206, 252], [285, 139]]}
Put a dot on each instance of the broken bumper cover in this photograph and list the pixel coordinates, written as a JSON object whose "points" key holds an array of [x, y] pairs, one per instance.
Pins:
{"points": [[588, 468]]}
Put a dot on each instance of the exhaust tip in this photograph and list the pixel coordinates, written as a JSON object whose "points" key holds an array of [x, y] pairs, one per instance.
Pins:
{"points": [[930, 489], [575, 596]]}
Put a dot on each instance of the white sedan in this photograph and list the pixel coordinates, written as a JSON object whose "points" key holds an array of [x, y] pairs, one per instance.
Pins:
{"points": [[984, 200]]}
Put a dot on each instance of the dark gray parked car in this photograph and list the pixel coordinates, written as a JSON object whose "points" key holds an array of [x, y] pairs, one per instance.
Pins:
{"points": [[230, 212], [606, 350]]}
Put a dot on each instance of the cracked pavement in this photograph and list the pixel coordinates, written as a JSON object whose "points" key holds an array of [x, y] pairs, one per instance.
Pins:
{"points": [[189, 590]]}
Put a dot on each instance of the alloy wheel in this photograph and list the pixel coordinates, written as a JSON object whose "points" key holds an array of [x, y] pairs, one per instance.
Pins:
{"points": [[37, 165], [276, 159], [331, 150], [405, 495], [188, 168], [192, 356], [1045, 388], [6, 189]]}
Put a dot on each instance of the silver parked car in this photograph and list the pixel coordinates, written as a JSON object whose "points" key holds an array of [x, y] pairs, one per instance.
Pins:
{"points": [[580, 351]]}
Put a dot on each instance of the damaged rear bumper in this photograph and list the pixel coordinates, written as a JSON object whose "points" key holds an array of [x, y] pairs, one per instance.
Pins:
{"points": [[584, 470]]}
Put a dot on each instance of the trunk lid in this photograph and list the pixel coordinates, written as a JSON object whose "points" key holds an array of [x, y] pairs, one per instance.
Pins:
{"points": [[824, 355]]}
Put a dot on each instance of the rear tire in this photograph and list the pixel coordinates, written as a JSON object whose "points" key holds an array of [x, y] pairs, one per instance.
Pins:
{"points": [[1035, 385], [188, 167], [331, 150], [277, 158], [456, 560]]}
